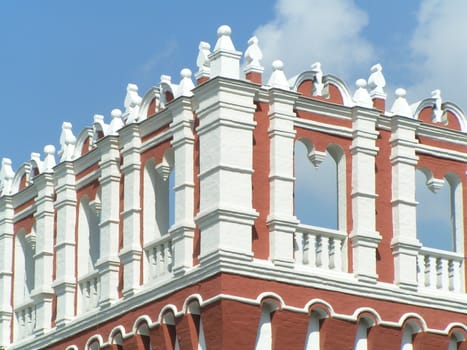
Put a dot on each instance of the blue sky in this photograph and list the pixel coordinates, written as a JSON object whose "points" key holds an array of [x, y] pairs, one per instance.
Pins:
{"points": [[68, 60]]}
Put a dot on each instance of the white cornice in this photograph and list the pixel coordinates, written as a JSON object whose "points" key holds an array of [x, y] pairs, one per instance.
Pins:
{"points": [[156, 122], [23, 196], [442, 134], [157, 139], [441, 153], [323, 127], [86, 161]]}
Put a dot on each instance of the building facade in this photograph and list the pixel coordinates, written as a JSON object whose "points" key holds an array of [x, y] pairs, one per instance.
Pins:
{"points": [[188, 221]]}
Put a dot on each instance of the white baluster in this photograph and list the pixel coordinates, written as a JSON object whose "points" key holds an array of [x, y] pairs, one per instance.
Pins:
{"points": [[299, 248]]}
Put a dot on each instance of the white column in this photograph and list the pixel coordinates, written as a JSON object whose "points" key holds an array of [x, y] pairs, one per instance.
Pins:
{"points": [[182, 231], [65, 279], [364, 236], [44, 217], [6, 268], [281, 220], [132, 252], [225, 111], [109, 262], [404, 243]]}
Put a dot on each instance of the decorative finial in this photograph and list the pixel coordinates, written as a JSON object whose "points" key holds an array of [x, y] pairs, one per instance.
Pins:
{"points": [[203, 61], [99, 127], [224, 42], [67, 142], [132, 104], [438, 114], [186, 84], [49, 159], [253, 56], [361, 96], [376, 82], [318, 84], [278, 78], [400, 106], [6, 177], [116, 123]]}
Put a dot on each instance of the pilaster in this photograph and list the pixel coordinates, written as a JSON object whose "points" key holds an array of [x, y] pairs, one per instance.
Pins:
{"points": [[404, 244], [281, 220], [364, 236], [43, 259], [65, 205], [182, 231], [225, 109], [131, 253], [6, 268], [108, 262]]}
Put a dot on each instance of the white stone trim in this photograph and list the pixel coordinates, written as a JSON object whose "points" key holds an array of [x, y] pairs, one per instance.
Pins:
{"points": [[404, 242], [76, 326], [131, 253], [43, 258], [364, 237], [109, 222], [6, 268]]}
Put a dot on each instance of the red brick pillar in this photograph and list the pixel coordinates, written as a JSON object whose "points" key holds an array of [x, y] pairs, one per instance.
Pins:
{"points": [[187, 332], [160, 338], [112, 347], [379, 104], [430, 341], [133, 343], [289, 330], [384, 338], [337, 334], [230, 325], [254, 77]]}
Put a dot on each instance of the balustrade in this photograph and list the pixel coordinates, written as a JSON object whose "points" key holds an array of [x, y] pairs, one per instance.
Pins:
{"points": [[319, 247], [89, 286], [439, 269], [25, 319], [159, 257]]}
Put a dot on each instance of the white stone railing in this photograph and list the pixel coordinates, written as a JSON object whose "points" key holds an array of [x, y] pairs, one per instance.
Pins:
{"points": [[25, 320], [440, 269], [320, 247], [90, 290], [159, 257]]}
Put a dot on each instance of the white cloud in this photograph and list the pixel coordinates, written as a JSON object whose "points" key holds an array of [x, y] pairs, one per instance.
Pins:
{"points": [[439, 49], [307, 31], [166, 53]]}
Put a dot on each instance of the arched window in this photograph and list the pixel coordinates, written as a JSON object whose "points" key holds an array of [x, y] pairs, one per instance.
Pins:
{"points": [[25, 311], [456, 338], [361, 338], [117, 341], [440, 230], [320, 185], [88, 236], [24, 267], [170, 331], [408, 333], [434, 224], [88, 253], [143, 334], [439, 211], [194, 311], [158, 216], [312, 340], [264, 333]]}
